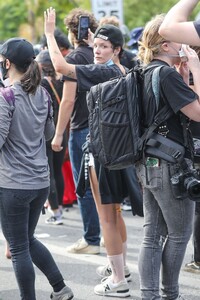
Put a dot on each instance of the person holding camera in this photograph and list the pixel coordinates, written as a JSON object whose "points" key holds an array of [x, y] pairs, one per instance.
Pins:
{"points": [[194, 264], [170, 182], [176, 27]]}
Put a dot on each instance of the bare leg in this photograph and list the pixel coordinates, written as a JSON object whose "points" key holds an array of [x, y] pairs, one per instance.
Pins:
{"points": [[7, 251], [113, 227]]}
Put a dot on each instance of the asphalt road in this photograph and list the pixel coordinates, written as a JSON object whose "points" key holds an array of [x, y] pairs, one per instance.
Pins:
{"points": [[79, 270]]}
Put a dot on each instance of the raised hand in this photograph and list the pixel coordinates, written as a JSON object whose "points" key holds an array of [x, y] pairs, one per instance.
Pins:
{"points": [[49, 21]]}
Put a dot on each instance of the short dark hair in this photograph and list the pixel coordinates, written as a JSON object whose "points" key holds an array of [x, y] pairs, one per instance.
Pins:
{"points": [[61, 39]]}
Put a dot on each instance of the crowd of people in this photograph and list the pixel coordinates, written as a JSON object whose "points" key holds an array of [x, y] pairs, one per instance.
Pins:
{"points": [[50, 115]]}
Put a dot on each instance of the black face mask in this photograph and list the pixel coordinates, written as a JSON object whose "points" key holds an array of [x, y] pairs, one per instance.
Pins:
{"points": [[3, 69]]}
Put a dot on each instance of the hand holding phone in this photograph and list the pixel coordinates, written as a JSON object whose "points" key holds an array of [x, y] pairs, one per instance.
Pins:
{"points": [[83, 26]]}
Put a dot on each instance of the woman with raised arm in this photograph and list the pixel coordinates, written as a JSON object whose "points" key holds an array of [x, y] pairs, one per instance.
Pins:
{"points": [[108, 187], [176, 26]]}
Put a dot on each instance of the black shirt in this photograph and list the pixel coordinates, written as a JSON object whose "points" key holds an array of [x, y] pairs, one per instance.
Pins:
{"points": [[82, 55], [174, 91], [90, 75]]}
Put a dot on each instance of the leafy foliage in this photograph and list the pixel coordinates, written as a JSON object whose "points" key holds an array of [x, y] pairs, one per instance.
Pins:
{"points": [[25, 18], [138, 12]]}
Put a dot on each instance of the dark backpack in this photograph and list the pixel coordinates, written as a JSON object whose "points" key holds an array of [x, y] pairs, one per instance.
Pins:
{"points": [[116, 138]]}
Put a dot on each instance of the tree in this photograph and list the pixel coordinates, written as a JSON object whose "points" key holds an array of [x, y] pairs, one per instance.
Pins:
{"points": [[138, 12], [26, 18]]}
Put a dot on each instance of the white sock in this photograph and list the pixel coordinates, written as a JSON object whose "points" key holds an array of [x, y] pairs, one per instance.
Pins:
{"points": [[124, 249], [117, 265]]}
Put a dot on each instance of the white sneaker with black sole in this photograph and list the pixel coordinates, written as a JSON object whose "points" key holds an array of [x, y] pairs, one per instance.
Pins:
{"points": [[111, 289], [106, 271]]}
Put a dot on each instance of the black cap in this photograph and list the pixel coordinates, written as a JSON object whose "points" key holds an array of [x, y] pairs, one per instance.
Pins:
{"points": [[18, 50], [110, 33], [43, 57]]}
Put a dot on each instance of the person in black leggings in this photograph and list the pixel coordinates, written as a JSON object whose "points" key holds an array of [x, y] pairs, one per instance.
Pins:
{"points": [[55, 159]]}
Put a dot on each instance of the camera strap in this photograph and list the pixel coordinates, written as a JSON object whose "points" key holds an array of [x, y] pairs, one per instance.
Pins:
{"points": [[187, 138], [157, 144]]}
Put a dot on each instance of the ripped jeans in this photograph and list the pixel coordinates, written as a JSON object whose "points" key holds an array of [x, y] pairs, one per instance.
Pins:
{"points": [[167, 230]]}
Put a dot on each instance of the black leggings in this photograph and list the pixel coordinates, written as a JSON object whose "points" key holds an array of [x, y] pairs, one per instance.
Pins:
{"points": [[55, 160]]}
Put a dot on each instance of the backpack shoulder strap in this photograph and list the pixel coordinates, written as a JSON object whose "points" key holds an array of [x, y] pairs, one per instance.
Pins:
{"points": [[53, 88], [49, 102], [8, 95], [164, 113], [156, 83]]}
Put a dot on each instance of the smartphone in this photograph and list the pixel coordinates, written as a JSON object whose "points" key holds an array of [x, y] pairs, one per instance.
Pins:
{"points": [[84, 24], [183, 56]]}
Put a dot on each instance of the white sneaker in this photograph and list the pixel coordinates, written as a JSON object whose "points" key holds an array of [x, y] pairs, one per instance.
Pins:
{"points": [[105, 271], [111, 289], [82, 247], [54, 220], [126, 205]]}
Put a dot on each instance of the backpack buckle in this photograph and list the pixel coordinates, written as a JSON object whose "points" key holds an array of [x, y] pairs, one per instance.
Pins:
{"points": [[176, 154], [163, 130]]}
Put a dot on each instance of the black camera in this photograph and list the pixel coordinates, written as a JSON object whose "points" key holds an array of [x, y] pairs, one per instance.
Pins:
{"points": [[185, 183]]}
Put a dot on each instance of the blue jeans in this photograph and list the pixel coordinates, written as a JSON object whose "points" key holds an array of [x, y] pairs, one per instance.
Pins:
{"points": [[87, 205], [167, 230], [20, 211]]}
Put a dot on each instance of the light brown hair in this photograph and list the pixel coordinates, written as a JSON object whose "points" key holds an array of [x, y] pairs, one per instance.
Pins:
{"points": [[151, 41]]}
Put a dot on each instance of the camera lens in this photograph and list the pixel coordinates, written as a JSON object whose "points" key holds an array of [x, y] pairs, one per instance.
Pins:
{"points": [[193, 187]]}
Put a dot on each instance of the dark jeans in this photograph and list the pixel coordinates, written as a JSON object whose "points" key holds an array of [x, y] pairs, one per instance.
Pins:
{"points": [[20, 211], [87, 205]]}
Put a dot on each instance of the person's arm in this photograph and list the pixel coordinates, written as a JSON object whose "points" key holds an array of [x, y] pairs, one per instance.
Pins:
{"points": [[175, 26], [59, 63], [64, 115]]}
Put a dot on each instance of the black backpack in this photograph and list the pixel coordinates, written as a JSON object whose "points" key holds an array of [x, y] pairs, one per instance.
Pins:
{"points": [[115, 126]]}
